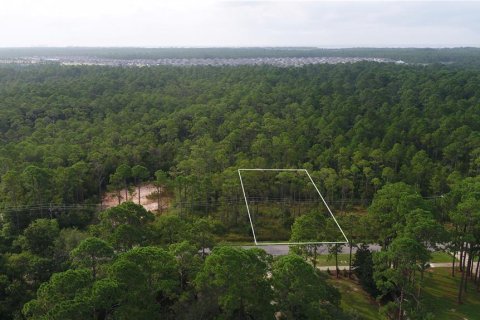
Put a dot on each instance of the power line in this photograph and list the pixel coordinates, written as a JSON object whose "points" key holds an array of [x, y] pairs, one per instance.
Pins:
{"points": [[189, 203], [47, 207]]}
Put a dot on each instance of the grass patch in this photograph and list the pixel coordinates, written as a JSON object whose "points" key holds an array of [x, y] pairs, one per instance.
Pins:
{"points": [[325, 260], [329, 260], [439, 257], [355, 300], [440, 296], [236, 243]]}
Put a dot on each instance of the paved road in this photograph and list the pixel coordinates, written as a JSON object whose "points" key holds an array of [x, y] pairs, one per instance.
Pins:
{"points": [[279, 250], [282, 249]]}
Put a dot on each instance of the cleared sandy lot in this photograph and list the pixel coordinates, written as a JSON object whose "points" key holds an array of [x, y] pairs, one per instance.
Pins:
{"points": [[148, 197]]}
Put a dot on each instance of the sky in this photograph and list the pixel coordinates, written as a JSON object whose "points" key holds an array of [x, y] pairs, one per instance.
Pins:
{"points": [[210, 23]]}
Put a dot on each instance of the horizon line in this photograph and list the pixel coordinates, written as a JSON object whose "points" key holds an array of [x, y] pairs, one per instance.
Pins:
{"points": [[250, 47]]}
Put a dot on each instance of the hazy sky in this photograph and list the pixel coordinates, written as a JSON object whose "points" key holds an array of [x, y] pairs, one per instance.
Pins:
{"points": [[160, 23]]}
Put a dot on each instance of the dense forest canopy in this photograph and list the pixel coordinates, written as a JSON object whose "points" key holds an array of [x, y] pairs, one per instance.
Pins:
{"points": [[394, 148], [356, 126]]}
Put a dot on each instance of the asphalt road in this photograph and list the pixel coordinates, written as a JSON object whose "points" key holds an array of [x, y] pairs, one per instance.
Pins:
{"points": [[282, 249], [279, 250]]}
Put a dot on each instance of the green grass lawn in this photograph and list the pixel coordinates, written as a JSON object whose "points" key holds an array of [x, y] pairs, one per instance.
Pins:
{"points": [[441, 257], [326, 260], [355, 300], [439, 296]]}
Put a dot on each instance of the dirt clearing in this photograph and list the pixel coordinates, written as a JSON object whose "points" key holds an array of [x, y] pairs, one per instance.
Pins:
{"points": [[148, 197]]}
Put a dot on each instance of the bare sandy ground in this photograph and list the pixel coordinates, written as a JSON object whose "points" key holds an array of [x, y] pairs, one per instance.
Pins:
{"points": [[147, 198]]}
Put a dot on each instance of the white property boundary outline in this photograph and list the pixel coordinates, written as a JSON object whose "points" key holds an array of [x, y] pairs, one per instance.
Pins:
{"points": [[289, 243]]}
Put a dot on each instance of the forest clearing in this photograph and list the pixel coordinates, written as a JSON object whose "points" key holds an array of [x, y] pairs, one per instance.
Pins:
{"points": [[149, 197]]}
